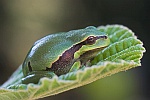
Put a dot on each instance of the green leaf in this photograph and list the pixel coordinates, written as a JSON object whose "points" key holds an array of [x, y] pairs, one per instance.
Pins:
{"points": [[124, 52]]}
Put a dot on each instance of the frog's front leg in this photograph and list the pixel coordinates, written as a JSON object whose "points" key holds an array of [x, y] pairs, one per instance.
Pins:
{"points": [[88, 56], [76, 66], [35, 76]]}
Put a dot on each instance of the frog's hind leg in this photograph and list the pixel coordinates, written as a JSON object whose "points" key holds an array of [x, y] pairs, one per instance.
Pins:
{"points": [[35, 76]]}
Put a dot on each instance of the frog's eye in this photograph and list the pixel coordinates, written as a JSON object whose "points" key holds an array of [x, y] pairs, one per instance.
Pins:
{"points": [[29, 66], [90, 40]]}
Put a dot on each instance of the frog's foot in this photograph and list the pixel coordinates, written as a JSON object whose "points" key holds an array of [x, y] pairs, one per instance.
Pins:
{"points": [[35, 76]]}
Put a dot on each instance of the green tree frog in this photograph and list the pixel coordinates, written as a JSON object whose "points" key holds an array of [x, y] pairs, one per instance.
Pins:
{"points": [[55, 54]]}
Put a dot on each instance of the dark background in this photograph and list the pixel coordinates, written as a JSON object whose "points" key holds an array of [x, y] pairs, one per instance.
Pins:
{"points": [[22, 22]]}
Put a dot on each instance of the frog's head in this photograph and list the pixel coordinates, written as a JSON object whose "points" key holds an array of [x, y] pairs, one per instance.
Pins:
{"points": [[92, 39]]}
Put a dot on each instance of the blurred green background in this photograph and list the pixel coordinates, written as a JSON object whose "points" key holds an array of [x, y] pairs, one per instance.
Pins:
{"points": [[22, 22]]}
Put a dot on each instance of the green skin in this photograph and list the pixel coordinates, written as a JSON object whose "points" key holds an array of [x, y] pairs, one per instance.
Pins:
{"points": [[56, 54]]}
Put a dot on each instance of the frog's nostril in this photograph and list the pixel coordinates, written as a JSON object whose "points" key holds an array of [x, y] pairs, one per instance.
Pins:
{"points": [[105, 37], [102, 37]]}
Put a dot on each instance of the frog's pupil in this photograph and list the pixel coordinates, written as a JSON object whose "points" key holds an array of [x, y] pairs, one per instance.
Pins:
{"points": [[29, 66]]}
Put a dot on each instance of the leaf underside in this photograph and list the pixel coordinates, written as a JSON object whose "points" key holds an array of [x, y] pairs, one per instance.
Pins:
{"points": [[123, 53]]}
